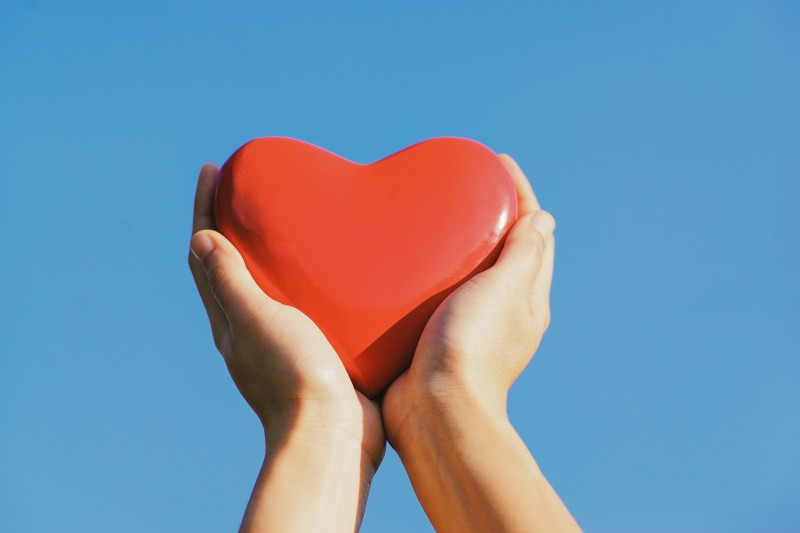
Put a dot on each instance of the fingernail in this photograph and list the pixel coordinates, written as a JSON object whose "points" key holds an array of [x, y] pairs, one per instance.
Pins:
{"points": [[201, 245], [544, 223]]}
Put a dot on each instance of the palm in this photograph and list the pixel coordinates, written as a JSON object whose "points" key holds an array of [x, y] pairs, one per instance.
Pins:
{"points": [[461, 320]]}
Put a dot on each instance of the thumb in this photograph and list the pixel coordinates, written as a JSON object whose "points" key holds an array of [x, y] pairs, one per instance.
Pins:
{"points": [[229, 281], [524, 249]]}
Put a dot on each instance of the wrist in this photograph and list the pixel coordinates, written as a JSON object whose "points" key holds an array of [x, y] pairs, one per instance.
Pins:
{"points": [[441, 408], [470, 469], [316, 474], [313, 422]]}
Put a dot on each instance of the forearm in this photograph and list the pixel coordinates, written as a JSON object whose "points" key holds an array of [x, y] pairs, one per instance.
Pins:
{"points": [[312, 480], [472, 472]]}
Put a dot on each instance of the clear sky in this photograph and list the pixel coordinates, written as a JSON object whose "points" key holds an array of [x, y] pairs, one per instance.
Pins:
{"points": [[663, 136]]}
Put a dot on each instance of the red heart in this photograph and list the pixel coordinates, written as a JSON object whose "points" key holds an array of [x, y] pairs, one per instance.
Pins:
{"points": [[366, 251]]}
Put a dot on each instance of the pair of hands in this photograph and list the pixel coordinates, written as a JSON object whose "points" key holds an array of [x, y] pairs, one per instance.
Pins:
{"points": [[473, 348]]}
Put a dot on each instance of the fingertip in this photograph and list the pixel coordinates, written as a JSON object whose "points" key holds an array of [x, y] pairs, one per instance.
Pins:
{"points": [[209, 174], [508, 161], [526, 199], [209, 168], [204, 198], [512, 167]]}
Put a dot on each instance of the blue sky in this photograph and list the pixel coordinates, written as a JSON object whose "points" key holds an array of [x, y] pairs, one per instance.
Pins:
{"points": [[662, 136]]}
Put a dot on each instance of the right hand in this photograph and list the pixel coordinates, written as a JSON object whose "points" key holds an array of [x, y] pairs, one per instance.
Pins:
{"points": [[484, 334]]}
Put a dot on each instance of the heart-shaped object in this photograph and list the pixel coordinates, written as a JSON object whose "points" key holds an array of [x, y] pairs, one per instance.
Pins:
{"points": [[366, 251]]}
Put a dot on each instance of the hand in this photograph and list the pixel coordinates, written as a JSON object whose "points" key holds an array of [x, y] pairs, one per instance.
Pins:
{"points": [[285, 369], [485, 333], [446, 416]]}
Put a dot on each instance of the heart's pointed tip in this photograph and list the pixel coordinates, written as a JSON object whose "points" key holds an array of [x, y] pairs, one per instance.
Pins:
{"points": [[370, 389]]}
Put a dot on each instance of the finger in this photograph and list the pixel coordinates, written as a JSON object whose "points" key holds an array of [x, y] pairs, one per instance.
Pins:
{"points": [[216, 316], [204, 219], [526, 200], [540, 293], [524, 249], [229, 281], [204, 198]]}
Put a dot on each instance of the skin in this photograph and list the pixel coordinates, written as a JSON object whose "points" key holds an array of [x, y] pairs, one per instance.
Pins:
{"points": [[324, 440], [445, 416]]}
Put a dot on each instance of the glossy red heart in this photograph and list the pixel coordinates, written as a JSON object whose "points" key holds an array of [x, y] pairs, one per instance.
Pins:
{"points": [[366, 251]]}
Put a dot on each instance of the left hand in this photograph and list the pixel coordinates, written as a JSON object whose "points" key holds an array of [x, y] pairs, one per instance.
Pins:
{"points": [[484, 334]]}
